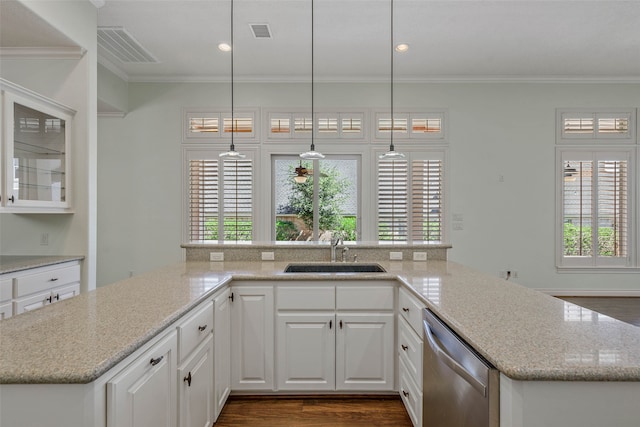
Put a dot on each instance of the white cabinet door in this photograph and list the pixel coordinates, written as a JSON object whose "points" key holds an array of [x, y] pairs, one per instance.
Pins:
{"points": [[31, 302], [144, 393], [222, 359], [306, 351], [365, 352], [252, 338], [196, 387], [65, 292]]}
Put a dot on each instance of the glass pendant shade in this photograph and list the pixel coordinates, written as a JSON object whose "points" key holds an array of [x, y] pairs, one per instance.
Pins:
{"points": [[391, 155]]}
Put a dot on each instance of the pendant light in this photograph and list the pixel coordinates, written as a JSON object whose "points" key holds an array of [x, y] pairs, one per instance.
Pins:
{"points": [[312, 154], [232, 153], [392, 154]]}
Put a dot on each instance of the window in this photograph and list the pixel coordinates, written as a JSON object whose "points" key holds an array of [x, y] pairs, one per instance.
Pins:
{"points": [[410, 198], [417, 125], [220, 198], [313, 200], [217, 124], [330, 125], [596, 189], [596, 208]]}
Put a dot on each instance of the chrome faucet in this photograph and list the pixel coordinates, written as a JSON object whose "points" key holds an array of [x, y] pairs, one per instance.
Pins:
{"points": [[335, 241]]}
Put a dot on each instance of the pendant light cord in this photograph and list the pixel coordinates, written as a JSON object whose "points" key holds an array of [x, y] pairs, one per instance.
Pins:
{"points": [[233, 47], [392, 121], [313, 147]]}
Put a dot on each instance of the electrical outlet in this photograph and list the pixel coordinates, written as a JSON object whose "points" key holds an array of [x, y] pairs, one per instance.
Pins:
{"points": [[268, 256], [395, 256], [419, 256], [44, 239], [216, 256]]}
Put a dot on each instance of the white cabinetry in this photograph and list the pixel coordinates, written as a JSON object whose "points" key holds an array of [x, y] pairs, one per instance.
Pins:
{"points": [[144, 393], [195, 374], [6, 295], [42, 286], [252, 337], [410, 354], [335, 337], [222, 355], [36, 143]]}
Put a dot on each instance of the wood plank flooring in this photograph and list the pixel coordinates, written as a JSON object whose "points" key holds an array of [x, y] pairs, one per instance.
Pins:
{"points": [[626, 309], [314, 412]]}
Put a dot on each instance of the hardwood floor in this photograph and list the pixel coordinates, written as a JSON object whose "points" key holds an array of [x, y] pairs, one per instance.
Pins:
{"points": [[314, 412], [626, 309]]}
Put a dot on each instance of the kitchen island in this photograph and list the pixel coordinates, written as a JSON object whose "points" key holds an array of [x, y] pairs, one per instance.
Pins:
{"points": [[559, 364]]}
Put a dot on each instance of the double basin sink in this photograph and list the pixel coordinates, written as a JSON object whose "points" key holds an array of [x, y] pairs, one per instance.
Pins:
{"points": [[334, 267]]}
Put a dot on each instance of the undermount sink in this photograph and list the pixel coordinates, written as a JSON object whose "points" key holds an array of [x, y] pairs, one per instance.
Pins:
{"points": [[335, 267]]}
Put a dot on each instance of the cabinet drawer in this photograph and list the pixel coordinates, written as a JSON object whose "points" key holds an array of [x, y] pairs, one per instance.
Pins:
{"points": [[6, 289], [31, 302], [410, 350], [410, 308], [411, 396], [364, 297], [306, 298], [195, 329], [46, 279]]}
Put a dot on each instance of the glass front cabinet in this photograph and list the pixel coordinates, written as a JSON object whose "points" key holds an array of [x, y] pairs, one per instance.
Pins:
{"points": [[35, 159]]}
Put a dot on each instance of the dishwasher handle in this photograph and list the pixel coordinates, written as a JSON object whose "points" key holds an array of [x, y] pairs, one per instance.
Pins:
{"points": [[451, 362]]}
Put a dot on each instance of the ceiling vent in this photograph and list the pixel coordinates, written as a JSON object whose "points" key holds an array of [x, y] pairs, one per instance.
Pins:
{"points": [[121, 44], [261, 31]]}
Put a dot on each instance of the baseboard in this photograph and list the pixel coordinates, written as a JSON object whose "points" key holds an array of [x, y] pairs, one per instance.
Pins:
{"points": [[591, 292]]}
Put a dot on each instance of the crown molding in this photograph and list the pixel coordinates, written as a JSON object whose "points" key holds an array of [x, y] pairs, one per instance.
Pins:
{"points": [[71, 52]]}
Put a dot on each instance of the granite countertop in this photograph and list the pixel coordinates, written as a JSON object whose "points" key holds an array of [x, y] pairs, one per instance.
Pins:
{"points": [[527, 335], [13, 263]]}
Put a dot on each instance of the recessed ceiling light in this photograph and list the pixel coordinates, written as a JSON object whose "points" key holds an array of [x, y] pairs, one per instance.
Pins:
{"points": [[225, 47], [402, 47]]}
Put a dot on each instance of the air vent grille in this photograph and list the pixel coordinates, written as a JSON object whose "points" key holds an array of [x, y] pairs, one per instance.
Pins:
{"points": [[121, 44], [261, 31]]}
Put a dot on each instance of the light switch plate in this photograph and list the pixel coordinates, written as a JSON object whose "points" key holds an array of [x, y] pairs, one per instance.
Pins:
{"points": [[419, 256], [268, 256], [216, 256], [395, 256]]}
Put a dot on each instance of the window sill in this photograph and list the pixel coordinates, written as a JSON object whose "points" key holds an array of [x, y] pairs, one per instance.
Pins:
{"points": [[603, 269]]}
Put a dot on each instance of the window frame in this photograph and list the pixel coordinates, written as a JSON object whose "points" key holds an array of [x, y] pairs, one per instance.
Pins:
{"points": [[595, 137], [221, 114]]}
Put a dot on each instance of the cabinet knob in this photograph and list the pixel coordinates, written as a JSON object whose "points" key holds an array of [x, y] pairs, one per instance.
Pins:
{"points": [[187, 379], [57, 297], [405, 309], [405, 393], [12, 199], [404, 347], [202, 328], [330, 323], [155, 361], [53, 279], [49, 299]]}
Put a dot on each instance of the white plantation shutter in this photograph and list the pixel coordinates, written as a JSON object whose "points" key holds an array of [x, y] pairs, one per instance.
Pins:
{"points": [[595, 209], [203, 200], [426, 200], [220, 198], [612, 207], [392, 199], [238, 199], [411, 199]]}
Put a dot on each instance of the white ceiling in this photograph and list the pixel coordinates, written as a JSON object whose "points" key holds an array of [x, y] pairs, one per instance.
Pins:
{"points": [[449, 39], [586, 40]]}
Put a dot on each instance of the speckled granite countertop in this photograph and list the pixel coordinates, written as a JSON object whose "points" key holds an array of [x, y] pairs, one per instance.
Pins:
{"points": [[527, 335], [13, 263]]}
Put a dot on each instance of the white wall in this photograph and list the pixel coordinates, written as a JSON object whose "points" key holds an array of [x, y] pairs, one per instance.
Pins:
{"points": [[73, 83], [495, 129]]}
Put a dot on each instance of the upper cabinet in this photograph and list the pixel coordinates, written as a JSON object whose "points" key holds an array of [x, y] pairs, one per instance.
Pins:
{"points": [[35, 157]]}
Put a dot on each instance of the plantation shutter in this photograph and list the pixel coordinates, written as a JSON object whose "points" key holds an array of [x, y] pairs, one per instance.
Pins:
{"points": [[203, 200], [595, 209], [392, 200], [612, 208], [426, 200], [238, 199]]}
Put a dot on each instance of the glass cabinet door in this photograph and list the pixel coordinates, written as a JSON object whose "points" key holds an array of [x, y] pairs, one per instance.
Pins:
{"points": [[37, 140], [39, 155]]}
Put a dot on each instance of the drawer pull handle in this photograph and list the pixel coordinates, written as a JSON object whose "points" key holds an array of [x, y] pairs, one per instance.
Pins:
{"points": [[330, 323], [155, 361], [405, 393], [405, 309], [49, 299], [187, 379], [12, 199], [202, 328], [404, 347], [53, 279], [57, 297]]}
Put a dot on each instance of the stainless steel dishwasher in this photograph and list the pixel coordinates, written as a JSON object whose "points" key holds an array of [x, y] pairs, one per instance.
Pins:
{"points": [[461, 389]]}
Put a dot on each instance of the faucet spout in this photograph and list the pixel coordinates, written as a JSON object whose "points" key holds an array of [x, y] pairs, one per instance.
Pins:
{"points": [[335, 241]]}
